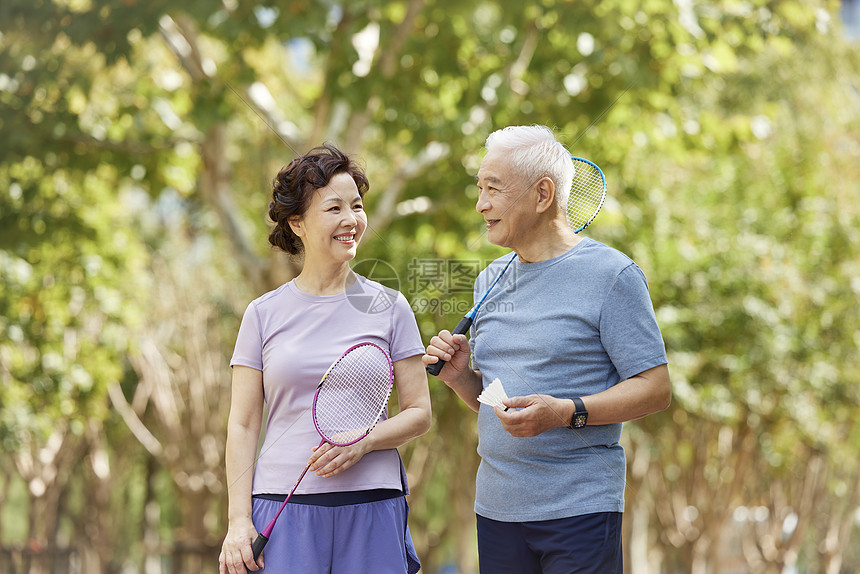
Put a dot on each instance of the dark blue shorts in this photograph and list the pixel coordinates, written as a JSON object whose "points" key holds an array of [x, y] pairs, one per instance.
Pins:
{"points": [[585, 544]]}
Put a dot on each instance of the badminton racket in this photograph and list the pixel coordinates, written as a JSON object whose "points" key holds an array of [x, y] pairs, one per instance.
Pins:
{"points": [[587, 194], [349, 401]]}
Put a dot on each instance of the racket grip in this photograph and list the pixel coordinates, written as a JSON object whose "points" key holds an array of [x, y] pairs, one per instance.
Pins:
{"points": [[461, 329], [258, 545]]}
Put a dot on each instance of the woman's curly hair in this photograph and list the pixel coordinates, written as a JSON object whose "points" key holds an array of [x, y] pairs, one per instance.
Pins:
{"points": [[295, 184]]}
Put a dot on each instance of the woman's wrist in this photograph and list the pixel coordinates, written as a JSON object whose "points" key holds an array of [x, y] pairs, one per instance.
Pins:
{"points": [[240, 520]]}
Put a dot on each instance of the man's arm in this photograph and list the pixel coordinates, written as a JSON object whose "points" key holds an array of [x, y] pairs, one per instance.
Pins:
{"points": [[639, 396]]}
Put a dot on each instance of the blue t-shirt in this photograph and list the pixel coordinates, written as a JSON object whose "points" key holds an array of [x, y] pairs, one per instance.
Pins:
{"points": [[570, 326]]}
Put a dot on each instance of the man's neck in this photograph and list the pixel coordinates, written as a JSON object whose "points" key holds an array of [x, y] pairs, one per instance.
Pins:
{"points": [[549, 240]]}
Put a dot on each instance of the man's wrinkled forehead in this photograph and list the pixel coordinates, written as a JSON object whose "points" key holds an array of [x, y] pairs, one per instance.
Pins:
{"points": [[493, 168], [496, 169]]}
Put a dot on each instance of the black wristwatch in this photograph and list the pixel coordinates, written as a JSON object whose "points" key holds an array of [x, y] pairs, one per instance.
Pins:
{"points": [[580, 416]]}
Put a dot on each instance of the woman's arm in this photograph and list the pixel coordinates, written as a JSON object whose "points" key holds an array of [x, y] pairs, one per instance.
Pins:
{"points": [[243, 434], [413, 420]]}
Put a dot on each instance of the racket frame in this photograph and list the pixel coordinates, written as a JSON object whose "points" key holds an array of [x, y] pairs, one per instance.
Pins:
{"points": [[602, 197]]}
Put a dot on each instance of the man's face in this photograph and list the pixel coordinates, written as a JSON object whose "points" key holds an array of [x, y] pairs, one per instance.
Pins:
{"points": [[505, 201]]}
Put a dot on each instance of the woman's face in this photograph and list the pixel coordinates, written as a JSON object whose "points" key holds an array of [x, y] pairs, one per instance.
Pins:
{"points": [[334, 222]]}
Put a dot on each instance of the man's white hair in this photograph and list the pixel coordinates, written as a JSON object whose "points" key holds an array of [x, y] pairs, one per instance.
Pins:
{"points": [[534, 153]]}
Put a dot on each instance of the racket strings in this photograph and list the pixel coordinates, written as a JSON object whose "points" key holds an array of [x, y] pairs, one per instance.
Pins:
{"points": [[586, 196], [353, 395]]}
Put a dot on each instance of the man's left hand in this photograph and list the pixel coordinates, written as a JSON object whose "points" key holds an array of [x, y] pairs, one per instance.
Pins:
{"points": [[532, 415]]}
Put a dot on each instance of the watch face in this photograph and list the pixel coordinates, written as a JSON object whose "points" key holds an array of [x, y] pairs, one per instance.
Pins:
{"points": [[579, 420]]}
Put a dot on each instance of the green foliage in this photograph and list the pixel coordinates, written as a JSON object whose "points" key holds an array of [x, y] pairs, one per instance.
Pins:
{"points": [[67, 301], [727, 131]]}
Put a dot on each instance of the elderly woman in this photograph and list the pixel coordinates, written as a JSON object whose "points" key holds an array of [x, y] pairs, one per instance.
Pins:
{"points": [[349, 512]]}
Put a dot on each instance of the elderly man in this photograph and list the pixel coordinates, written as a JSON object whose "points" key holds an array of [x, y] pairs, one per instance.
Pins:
{"points": [[571, 333]]}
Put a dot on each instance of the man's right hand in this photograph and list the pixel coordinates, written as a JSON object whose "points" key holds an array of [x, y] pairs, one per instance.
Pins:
{"points": [[451, 348]]}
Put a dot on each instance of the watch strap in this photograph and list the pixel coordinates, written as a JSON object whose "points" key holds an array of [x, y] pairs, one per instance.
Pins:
{"points": [[580, 415]]}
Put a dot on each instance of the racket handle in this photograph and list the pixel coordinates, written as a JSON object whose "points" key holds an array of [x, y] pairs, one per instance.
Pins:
{"points": [[258, 545], [461, 329]]}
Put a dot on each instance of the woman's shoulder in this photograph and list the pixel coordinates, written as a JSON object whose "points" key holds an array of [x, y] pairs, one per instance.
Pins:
{"points": [[269, 298]]}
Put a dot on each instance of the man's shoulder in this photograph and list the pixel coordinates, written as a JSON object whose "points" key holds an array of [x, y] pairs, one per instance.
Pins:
{"points": [[604, 255]]}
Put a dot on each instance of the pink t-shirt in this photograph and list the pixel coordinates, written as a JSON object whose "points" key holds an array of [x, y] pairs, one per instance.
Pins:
{"points": [[293, 337]]}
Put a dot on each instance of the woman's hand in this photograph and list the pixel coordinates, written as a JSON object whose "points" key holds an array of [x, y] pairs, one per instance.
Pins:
{"points": [[329, 460], [236, 553]]}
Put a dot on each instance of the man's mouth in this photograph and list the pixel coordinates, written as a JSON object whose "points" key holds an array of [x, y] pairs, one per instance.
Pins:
{"points": [[492, 222]]}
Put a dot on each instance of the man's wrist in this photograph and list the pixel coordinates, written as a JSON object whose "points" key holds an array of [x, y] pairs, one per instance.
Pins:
{"points": [[466, 383], [565, 412], [579, 417], [466, 379]]}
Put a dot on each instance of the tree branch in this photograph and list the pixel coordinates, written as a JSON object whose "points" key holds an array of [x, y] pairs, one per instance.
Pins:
{"points": [[134, 424], [387, 206]]}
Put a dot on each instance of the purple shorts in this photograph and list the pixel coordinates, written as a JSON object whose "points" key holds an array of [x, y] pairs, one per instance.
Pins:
{"points": [[365, 538]]}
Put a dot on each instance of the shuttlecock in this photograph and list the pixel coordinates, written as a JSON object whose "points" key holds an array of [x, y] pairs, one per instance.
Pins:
{"points": [[493, 395]]}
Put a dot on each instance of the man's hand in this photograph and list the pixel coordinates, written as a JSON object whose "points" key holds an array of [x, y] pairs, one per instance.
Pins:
{"points": [[532, 415], [451, 348], [457, 373]]}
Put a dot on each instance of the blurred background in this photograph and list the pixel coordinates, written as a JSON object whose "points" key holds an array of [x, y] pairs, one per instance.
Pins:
{"points": [[138, 140]]}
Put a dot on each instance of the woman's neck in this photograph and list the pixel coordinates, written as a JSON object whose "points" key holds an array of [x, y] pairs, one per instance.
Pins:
{"points": [[324, 280]]}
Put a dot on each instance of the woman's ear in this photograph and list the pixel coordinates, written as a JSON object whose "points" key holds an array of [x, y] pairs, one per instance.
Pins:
{"points": [[296, 225], [546, 195]]}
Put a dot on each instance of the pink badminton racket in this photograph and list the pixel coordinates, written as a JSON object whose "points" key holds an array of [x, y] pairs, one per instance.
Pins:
{"points": [[348, 403]]}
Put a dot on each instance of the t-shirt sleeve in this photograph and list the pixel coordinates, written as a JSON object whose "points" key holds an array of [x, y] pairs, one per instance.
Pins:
{"points": [[405, 337], [628, 327], [249, 343]]}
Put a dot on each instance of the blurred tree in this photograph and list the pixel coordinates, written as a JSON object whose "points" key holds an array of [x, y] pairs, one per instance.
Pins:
{"points": [[751, 238], [139, 140]]}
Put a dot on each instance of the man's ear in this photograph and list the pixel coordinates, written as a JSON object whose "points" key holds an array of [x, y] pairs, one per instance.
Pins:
{"points": [[546, 195], [296, 225]]}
